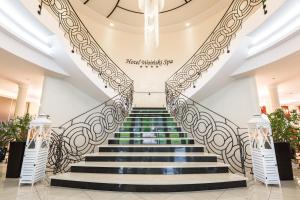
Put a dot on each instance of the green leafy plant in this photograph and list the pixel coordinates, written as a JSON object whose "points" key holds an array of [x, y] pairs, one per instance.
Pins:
{"points": [[6, 132], [285, 128], [14, 130], [22, 124]]}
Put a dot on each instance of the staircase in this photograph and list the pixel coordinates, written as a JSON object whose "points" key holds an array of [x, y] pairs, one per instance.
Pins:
{"points": [[150, 153]]}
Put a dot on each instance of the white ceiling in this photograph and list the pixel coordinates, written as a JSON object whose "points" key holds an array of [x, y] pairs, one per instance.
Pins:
{"points": [[14, 71], [284, 73], [174, 12]]}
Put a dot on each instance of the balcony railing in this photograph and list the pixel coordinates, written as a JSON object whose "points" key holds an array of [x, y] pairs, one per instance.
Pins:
{"points": [[83, 42], [217, 43]]}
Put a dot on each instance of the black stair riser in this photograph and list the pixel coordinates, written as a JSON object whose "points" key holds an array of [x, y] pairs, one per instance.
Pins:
{"points": [[151, 158], [155, 129], [150, 115], [141, 142], [155, 135], [145, 108], [148, 111], [145, 124], [159, 119], [151, 149], [147, 188], [166, 171]]}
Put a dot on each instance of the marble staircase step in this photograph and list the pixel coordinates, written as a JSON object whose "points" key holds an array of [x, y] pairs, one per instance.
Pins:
{"points": [[151, 157], [152, 148], [151, 135], [150, 129], [148, 183], [150, 123], [149, 111], [149, 115], [158, 141], [149, 119], [149, 168], [149, 108]]}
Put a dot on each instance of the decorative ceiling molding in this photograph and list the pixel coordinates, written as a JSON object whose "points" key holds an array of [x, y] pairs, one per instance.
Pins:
{"points": [[117, 5]]}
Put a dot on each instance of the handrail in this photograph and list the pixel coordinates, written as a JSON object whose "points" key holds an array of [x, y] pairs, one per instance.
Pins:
{"points": [[122, 92], [219, 134], [214, 45], [201, 105], [87, 45], [203, 42], [83, 133]]}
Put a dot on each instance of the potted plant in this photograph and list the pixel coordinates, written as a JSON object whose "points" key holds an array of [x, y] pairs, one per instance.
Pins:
{"points": [[17, 130], [4, 140], [285, 132]]}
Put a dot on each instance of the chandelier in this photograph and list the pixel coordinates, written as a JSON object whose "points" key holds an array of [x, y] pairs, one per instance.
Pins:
{"points": [[151, 9]]}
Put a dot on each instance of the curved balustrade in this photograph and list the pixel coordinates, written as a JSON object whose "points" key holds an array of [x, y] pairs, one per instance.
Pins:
{"points": [[216, 43], [82, 134], [82, 41], [217, 133]]}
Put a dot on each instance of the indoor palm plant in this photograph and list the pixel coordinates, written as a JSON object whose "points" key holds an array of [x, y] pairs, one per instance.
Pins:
{"points": [[285, 130]]}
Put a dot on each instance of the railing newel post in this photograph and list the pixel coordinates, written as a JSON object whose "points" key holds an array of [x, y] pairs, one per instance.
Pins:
{"points": [[40, 8], [241, 147]]}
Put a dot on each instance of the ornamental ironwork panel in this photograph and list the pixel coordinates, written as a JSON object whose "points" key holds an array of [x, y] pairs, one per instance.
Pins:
{"points": [[219, 135], [216, 43], [82, 134], [85, 44]]}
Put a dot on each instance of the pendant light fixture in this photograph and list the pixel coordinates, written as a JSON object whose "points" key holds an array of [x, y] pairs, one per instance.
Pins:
{"points": [[151, 9]]}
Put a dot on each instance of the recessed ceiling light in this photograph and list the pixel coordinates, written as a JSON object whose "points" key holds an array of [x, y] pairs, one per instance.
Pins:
{"points": [[187, 24], [111, 24]]}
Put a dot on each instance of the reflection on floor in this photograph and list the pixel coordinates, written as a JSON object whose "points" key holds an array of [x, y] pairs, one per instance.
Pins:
{"points": [[9, 190]]}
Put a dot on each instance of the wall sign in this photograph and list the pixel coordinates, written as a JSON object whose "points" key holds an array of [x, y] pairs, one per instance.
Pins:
{"points": [[154, 63]]}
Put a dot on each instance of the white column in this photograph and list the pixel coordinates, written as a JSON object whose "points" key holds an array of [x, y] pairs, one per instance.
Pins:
{"points": [[274, 97], [21, 100]]}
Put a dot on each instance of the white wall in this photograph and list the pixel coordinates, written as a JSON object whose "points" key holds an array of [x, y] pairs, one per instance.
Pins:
{"points": [[237, 101], [120, 45], [62, 101]]}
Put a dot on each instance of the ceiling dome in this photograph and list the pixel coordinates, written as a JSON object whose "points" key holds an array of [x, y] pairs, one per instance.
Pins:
{"points": [[175, 11]]}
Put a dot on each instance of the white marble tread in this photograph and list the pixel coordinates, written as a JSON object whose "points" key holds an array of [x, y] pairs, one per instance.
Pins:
{"points": [[152, 179], [151, 109], [149, 117], [142, 113], [149, 138], [152, 154], [150, 132], [150, 121], [151, 164], [151, 145], [150, 126]]}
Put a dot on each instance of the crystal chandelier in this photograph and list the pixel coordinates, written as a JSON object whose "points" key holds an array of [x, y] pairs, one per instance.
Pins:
{"points": [[151, 9]]}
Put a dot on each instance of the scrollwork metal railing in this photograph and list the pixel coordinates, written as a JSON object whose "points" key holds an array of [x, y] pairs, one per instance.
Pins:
{"points": [[219, 135], [216, 43], [82, 134], [85, 44]]}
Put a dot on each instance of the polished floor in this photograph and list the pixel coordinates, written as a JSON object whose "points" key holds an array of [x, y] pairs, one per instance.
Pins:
{"points": [[9, 190]]}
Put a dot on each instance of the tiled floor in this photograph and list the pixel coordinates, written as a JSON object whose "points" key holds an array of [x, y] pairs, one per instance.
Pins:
{"points": [[9, 190]]}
